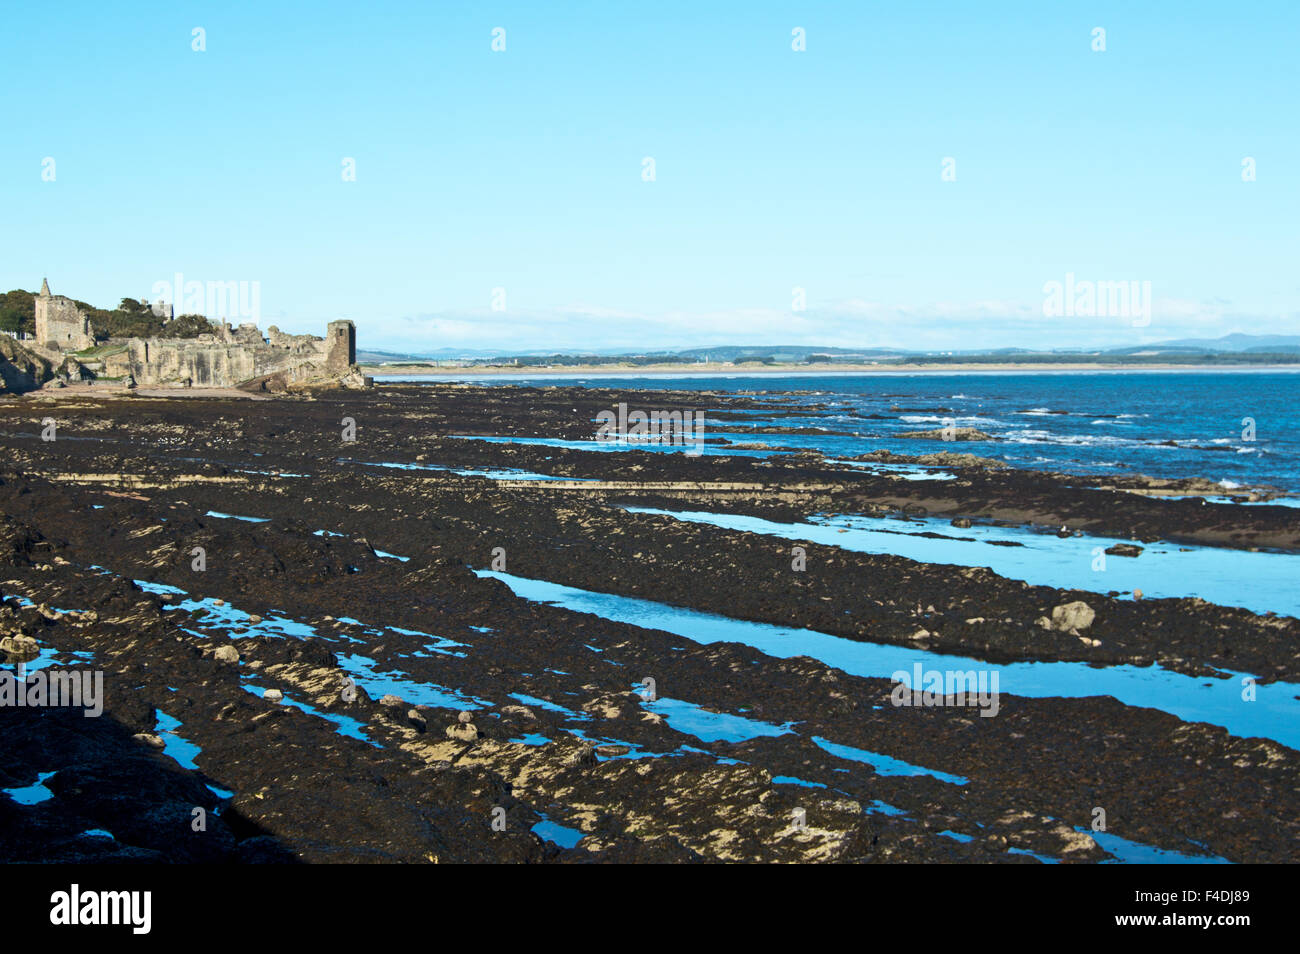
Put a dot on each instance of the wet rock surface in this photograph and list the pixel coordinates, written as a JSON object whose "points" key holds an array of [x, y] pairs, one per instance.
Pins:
{"points": [[427, 714]]}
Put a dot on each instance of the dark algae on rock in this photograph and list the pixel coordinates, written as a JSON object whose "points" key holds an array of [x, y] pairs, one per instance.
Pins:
{"points": [[311, 652]]}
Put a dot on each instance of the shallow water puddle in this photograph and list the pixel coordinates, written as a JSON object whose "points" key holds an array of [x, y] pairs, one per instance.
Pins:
{"points": [[233, 516], [50, 656], [549, 706], [1274, 715], [226, 618], [884, 764], [633, 751], [181, 750], [705, 450], [46, 656], [1256, 581], [708, 726], [1134, 853], [413, 693], [361, 668], [436, 644], [32, 794], [556, 833], [345, 725]]}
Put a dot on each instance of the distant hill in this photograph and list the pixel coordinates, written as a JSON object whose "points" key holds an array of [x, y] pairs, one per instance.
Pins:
{"points": [[1232, 342], [379, 357], [1236, 349]]}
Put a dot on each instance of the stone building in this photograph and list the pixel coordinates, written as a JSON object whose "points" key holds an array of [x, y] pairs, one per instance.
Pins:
{"points": [[60, 325], [228, 358]]}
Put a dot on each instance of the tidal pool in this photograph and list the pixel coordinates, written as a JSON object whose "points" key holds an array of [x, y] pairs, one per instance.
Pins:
{"points": [[1261, 582], [1275, 713]]}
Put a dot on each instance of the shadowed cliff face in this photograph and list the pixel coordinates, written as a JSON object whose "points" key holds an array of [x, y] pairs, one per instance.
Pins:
{"points": [[20, 370]]}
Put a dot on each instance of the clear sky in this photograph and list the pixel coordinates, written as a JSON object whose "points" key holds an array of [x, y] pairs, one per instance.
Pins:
{"points": [[774, 169]]}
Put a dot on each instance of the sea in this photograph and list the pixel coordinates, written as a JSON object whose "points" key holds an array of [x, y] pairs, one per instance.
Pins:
{"points": [[1238, 428]]}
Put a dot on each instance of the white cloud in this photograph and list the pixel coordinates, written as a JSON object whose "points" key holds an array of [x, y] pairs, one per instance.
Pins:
{"points": [[850, 323]]}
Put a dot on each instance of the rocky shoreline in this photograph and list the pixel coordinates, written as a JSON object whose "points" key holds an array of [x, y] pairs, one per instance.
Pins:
{"points": [[513, 730]]}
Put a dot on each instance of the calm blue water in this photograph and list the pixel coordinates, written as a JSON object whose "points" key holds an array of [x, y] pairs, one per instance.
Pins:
{"points": [[1274, 714], [1113, 422], [1261, 582]]}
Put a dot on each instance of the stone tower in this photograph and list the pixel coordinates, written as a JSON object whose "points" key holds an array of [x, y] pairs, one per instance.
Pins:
{"points": [[340, 346], [60, 325]]}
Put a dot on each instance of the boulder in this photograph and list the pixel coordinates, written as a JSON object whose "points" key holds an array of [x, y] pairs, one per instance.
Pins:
{"points": [[20, 645], [463, 732], [226, 654], [1077, 616], [1124, 550]]}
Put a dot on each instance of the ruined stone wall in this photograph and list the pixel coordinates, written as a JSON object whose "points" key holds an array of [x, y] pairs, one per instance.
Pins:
{"points": [[60, 324], [212, 362], [117, 364], [296, 343], [180, 361], [341, 346], [226, 358]]}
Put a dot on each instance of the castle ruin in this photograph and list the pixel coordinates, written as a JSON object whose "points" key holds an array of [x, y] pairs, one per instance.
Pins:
{"points": [[229, 358], [60, 325]]}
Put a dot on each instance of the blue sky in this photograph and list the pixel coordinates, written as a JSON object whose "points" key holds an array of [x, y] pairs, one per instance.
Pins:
{"points": [[522, 170]]}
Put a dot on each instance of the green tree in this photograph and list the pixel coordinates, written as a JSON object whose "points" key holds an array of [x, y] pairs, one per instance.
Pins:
{"points": [[18, 311]]}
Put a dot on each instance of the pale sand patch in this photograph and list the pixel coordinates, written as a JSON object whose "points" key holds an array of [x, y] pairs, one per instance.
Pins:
{"points": [[117, 391]]}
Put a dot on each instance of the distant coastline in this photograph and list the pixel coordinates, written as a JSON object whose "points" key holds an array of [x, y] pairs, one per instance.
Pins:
{"points": [[712, 369]]}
